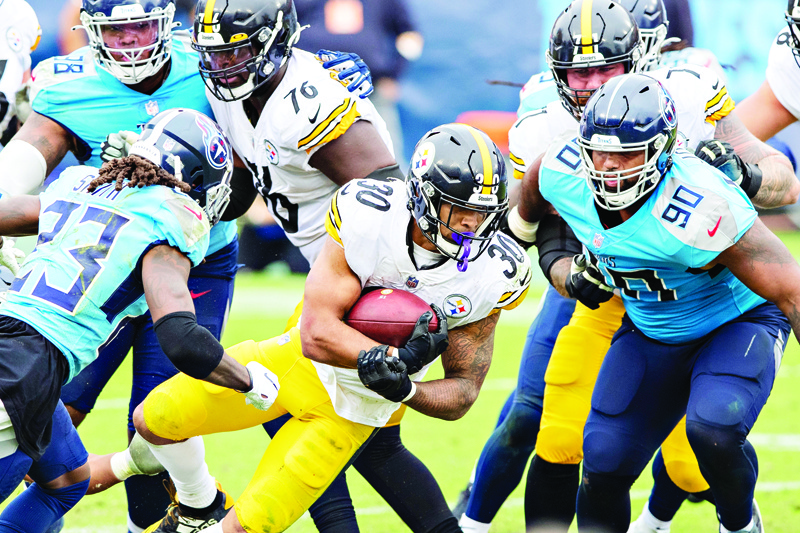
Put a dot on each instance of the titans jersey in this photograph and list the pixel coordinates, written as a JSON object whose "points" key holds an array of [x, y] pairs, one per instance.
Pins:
{"points": [[308, 109], [370, 220], [656, 257], [537, 92], [82, 282], [701, 98], [783, 73], [91, 103]]}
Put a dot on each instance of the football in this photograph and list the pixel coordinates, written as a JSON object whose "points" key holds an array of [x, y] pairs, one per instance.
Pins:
{"points": [[388, 315]]}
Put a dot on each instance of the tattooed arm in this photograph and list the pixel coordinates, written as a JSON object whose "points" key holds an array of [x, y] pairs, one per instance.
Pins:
{"points": [[763, 263], [779, 185], [466, 362], [165, 271]]}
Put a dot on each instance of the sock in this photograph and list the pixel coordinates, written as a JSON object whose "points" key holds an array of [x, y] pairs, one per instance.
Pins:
{"points": [[35, 509], [651, 521], [137, 459], [468, 525], [749, 526], [550, 494], [185, 462]]}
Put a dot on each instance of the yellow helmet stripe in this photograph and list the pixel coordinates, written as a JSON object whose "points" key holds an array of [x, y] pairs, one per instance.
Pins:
{"points": [[208, 16], [586, 27], [486, 159]]}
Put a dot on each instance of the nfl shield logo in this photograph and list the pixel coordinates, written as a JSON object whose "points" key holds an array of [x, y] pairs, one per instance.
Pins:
{"points": [[151, 107], [412, 282], [598, 241]]}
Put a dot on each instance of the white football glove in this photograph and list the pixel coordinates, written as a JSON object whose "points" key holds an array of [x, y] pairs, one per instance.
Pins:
{"points": [[265, 386], [10, 255], [117, 145]]}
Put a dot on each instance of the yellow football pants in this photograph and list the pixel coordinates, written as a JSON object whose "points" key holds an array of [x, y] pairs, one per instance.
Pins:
{"points": [[303, 458], [569, 380]]}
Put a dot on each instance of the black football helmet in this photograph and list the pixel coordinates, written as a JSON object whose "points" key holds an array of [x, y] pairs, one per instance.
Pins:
{"points": [[628, 113], [591, 34], [459, 165], [651, 18], [243, 43], [792, 17], [193, 148]]}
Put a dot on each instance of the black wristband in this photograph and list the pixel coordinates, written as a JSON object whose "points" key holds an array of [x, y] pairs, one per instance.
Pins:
{"points": [[191, 348], [751, 182], [555, 240]]}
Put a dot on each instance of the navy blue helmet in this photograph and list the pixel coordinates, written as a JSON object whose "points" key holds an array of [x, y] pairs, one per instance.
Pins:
{"points": [[461, 166], [628, 113], [591, 34], [243, 43], [651, 17], [130, 39], [792, 16], [191, 147]]}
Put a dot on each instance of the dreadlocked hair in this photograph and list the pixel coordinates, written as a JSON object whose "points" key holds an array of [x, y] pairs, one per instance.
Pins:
{"points": [[138, 172]]}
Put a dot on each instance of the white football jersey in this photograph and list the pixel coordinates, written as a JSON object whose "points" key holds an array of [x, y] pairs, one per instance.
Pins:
{"points": [[308, 109], [783, 74], [370, 220], [19, 36], [701, 99]]}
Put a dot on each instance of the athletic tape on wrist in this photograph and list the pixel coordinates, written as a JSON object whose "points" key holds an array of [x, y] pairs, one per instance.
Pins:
{"points": [[523, 229], [412, 393]]}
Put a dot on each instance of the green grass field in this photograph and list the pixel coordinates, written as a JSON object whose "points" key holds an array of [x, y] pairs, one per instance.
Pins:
{"points": [[262, 304]]}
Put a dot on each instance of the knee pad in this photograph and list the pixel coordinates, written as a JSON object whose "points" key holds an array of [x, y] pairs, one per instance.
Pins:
{"points": [[318, 457], [561, 444], [521, 426]]}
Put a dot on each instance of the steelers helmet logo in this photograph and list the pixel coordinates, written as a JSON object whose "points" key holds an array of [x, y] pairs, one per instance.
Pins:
{"points": [[423, 158], [457, 306]]}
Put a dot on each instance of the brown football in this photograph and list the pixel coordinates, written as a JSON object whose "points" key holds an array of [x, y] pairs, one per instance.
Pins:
{"points": [[388, 315]]}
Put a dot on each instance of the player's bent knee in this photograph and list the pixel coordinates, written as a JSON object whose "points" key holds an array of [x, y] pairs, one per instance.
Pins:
{"points": [[560, 445], [317, 459], [686, 475]]}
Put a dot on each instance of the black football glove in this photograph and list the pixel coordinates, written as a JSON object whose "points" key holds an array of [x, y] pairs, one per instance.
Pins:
{"points": [[423, 347], [586, 283], [383, 375], [720, 154]]}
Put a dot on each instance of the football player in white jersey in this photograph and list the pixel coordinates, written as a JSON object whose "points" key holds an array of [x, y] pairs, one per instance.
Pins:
{"points": [[776, 104], [435, 235], [297, 129], [705, 110], [19, 25]]}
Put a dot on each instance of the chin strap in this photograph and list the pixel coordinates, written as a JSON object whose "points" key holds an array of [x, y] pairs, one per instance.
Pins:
{"points": [[465, 241]]}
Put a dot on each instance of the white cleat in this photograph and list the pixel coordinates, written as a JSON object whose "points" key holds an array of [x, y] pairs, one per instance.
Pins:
{"points": [[647, 523]]}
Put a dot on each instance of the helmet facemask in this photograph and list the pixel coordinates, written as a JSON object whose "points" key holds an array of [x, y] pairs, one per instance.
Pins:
{"points": [[428, 203], [612, 189], [792, 17], [653, 41], [152, 30]]}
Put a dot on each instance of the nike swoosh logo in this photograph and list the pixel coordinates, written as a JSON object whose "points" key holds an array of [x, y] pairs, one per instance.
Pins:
{"points": [[313, 119], [714, 87], [195, 213], [196, 295], [712, 232]]}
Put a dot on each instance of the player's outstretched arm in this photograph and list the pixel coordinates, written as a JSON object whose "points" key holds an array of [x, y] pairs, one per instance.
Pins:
{"points": [[357, 153], [466, 362], [779, 185], [19, 215], [763, 114], [331, 290], [33, 153], [190, 347], [762, 262]]}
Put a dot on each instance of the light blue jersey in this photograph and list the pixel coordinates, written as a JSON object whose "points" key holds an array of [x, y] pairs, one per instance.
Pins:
{"points": [[539, 91], [82, 282], [91, 103], [656, 256]]}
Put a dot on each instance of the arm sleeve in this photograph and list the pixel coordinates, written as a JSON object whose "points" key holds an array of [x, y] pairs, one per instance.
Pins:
{"points": [[191, 348]]}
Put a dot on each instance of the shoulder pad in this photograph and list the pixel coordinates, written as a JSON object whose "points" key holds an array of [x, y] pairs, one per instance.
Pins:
{"points": [[59, 69]]}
